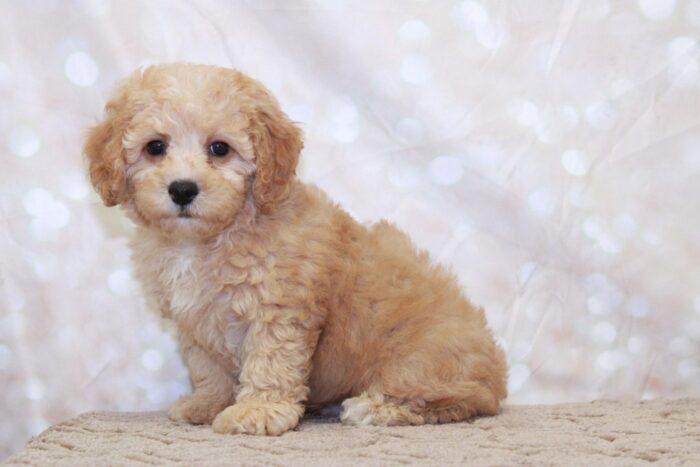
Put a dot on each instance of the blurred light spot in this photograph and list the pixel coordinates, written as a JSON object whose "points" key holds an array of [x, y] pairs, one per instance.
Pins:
{"points": [[683, 69], [597, 282], [152, 359], [177, 390], [687, 368], [344, 124], [541, 201], [693, 328], [547, 132], [552, 124], [681, 346], [652, 238], [470, 15], [597, 306], [34, 390], [81, 69], [54, 218], [594, 229], [37, 200], [604, 333], [446, 170], [534, 311], [696, 304], [625, 225], [410, 130], [680, 46], [526, 272], [604, 294], [569, 116], [150, 332], [649, 395], [575, 162], [637, 307], [404, 176], [517, 377], [490, 34], [73, 185], [414, 32], [601, 115], [620, 87], [24, 141], [657, 10], [44, 266], [524, 112], [121, 283], [638, 345], [48, 214], [611, 360], [415, 70], [488, 155], [155, 394]]}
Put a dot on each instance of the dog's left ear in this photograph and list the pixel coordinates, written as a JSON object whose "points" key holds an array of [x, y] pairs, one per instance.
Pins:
{"points": [[106, 160], [277, 143]]}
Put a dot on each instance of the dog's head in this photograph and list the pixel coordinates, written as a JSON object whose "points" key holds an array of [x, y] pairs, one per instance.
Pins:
{"points": [[184, 147]]}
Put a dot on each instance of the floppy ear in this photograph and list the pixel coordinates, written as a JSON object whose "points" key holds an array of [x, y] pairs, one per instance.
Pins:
{"points": [[106, 160], [277, 143]]}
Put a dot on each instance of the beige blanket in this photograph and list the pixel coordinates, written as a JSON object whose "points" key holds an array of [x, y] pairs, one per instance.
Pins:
{"points": [[599, 433]]}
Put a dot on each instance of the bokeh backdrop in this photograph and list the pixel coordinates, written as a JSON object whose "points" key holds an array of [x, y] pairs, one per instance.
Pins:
{"points": [[547, 151]]}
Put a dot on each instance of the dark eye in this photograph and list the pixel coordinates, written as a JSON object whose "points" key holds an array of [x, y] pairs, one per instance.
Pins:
{"points": [[156, 147], [218, 149]]}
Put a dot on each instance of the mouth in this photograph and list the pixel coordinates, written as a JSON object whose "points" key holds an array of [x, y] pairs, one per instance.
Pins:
{"points": [[184, 214]]}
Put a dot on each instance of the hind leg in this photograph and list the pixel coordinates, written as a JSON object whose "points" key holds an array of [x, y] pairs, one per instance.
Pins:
{"points": [[376, 409], [454, 403]]}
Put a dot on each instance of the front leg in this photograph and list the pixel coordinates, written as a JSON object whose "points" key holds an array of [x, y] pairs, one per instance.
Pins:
{"points": [[273, 380], [214, 387]]}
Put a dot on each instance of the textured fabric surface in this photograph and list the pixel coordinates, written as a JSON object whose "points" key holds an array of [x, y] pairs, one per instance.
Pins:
{"points": [[599, 433]]}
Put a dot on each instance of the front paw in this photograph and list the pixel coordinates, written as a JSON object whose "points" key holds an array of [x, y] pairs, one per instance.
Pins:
{"points": [[197, 409], [258, 417]]}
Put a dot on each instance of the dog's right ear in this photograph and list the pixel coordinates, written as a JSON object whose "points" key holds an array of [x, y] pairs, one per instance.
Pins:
{"points": [[107, 161]]}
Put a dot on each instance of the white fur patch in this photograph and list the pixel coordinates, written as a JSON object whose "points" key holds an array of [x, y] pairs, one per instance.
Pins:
{"points": [[177, 276], [358, 411]]}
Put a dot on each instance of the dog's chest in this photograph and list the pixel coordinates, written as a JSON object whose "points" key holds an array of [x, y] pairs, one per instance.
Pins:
{"points": [[178, 280], [207, 297]]}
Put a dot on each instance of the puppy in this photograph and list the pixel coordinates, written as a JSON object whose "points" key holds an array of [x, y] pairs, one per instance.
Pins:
{"points": [[281, 299]]}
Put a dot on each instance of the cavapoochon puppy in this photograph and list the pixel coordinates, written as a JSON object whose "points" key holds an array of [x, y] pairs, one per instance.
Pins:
{"points": [[281, 299]]}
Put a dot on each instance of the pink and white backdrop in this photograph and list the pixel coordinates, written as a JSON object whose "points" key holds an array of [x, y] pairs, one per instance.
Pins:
{"points": [[547, 151]]}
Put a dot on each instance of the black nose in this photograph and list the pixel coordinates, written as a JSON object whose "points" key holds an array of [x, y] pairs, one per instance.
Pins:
{"points": [[182, 192]]}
